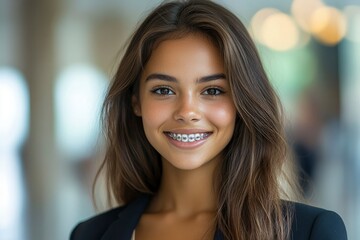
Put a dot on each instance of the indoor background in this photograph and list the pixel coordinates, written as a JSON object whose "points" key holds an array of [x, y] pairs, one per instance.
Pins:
{"points": [[57, 58]]}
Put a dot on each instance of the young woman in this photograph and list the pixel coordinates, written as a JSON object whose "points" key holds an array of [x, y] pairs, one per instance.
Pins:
{"points": [[195, 138]]}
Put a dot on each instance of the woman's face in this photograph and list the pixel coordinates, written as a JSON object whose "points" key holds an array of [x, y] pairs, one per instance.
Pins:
{"points": [[185, 102]]}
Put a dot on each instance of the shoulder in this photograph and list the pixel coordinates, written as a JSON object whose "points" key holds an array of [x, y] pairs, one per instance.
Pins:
{"points": [[316, 223], [94, 227]]}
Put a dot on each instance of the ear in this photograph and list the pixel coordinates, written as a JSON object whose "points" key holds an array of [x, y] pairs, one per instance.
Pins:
{"points": [[136, 106]]}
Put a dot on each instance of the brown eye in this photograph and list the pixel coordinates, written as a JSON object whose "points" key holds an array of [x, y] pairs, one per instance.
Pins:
{"points": [[213, 91], [163, 91]]}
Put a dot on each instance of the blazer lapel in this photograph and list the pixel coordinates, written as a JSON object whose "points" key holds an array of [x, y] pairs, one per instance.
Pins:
{"points": [[123, 228]]}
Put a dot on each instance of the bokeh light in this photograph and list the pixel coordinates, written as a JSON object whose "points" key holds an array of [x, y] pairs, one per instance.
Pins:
{"points": [[328, 25], [302, 10], [276, 30], [257, 21], [279, 32]]}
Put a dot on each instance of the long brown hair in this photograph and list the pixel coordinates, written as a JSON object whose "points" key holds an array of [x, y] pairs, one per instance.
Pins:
{"points": [[248, 180]]}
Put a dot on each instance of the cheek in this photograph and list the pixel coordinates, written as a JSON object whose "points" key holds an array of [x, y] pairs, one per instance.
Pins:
{"points": [[153, 114], [223, 114]]}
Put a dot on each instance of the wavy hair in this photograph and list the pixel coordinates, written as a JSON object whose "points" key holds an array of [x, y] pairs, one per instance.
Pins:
{"points": [[248, 179]]}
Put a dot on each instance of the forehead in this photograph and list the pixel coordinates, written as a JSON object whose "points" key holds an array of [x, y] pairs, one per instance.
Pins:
{"points": [[193, 54]]}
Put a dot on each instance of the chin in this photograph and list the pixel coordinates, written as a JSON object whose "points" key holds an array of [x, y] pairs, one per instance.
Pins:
{"points": [[189, 164]]}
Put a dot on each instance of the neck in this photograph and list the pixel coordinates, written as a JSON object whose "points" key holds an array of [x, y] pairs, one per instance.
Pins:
{"points": [[186, 192]]}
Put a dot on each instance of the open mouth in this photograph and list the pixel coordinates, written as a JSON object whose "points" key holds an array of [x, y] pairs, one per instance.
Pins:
{"points": [[193, 137]]}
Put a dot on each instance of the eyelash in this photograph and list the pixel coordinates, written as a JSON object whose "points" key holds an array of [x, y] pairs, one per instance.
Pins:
{"points": [[218, 91], [158, 91]]}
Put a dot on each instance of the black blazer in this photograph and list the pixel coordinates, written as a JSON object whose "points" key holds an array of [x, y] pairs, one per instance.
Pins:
{"points": [[309, 223]]}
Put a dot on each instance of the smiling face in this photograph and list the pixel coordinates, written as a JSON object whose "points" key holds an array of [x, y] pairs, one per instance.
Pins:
{"points": [[185, 102]]}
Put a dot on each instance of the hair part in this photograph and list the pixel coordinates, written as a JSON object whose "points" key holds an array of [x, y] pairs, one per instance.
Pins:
{"points": [[249, 204]]}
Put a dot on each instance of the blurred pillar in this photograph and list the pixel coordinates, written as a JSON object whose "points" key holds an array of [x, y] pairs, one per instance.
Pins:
{"points": [[42, 167], [350, 102]]}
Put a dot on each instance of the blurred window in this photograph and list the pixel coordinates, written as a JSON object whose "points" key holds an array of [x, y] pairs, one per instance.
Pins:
{"points": [[14, 120], [79, 92]]}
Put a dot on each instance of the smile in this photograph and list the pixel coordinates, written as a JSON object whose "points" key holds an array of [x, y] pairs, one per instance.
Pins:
{"points": [[193, 137]]}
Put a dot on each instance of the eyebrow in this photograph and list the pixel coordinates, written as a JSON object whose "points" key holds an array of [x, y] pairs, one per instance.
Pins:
{"points": [[165, 77]]}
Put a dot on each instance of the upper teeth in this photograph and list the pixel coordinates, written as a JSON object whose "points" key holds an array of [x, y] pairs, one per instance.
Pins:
{"points": [[188, 137]]}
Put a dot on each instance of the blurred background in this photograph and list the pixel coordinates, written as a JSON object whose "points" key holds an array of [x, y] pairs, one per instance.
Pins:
{"points": [[57, 58]]}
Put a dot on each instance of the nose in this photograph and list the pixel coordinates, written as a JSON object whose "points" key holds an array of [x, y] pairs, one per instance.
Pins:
{"points": [[187, 109]]}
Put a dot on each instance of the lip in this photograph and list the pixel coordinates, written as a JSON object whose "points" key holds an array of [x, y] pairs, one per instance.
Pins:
{"points": [[188, 131]]}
